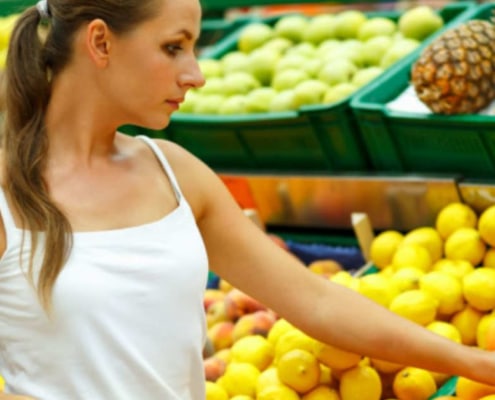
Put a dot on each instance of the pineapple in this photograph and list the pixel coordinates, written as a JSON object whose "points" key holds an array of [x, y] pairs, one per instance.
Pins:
{"points": [[455, 74]]}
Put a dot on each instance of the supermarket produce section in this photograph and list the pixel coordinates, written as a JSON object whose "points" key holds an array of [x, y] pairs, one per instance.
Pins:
{"points": [[309, 128]]}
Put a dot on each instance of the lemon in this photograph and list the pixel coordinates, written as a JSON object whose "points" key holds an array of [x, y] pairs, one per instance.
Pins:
{"points": [[486, 225], [253, 349], [456, 268], [333, 357], [479, 288], [446, 289], [379, 288], [454, 216], [241, 397], [279, 392], [321, 392], [215, 392], [345, 278], [427, 237], [465, 244], [383, 247], [414, 384], [279, 327], [293, 339], [360, 383], [412, 255], [489, 258], [415, 305], [239, 378], [385, 367], [299, 369], [445, 329], [2, 384], [407, 278], [485, 324], [325, 375], [267, 378], [466, 321]]}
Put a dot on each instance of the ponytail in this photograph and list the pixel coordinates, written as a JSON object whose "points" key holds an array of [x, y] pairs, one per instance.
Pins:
{"points": [[25, 147]]}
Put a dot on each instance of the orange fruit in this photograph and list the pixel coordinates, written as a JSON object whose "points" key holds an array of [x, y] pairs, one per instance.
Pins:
{"points": [[414, 384], [467, 389]]}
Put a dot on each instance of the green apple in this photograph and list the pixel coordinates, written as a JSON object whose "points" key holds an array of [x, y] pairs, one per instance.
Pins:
{"points": [[288, 79], [419, 22], [254, 35], [326, 47], [239, 83], [339, 92], [283, 101], [321, 27], [351, 49], [313, 66], [259, 100], [309, 92], [290, 61], [365, 75], [337, 71], [376, 26], [348, 23], [208, 103], [305, 49], [210, 67], [278, 44], [291, 27], [399, 49], [374, 49], [234, 61], [262, 64], [235, 104], [213, 85]]}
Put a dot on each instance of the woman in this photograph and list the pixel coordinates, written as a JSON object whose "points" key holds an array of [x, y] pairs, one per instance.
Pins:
{"points": [[107, 239]]}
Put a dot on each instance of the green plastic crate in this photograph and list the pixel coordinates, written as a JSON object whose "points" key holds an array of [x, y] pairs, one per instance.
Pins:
{"points": [[314, 139], [406, 142]]}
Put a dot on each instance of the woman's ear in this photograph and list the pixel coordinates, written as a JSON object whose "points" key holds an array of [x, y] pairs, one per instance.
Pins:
{"points": [[98, 41]]}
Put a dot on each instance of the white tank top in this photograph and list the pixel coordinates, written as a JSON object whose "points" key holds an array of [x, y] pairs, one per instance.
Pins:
{"points": [[128, 320]]}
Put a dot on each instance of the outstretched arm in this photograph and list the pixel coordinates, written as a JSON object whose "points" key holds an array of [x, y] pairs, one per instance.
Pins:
{"points": [[244, 255]]}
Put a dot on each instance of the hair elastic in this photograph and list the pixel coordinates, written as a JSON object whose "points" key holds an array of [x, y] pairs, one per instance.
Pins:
{"points": [[42, 7]]}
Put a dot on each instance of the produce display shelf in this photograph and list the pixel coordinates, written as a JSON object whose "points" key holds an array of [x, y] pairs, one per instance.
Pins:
{"points": [[402, 141], [316, 138]]}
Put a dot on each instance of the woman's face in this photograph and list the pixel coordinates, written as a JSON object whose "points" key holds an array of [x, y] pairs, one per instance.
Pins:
{"points": [[151, 68]]}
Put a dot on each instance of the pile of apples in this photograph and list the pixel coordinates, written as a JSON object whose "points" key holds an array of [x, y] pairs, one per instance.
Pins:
{"points": [[297, 60]]}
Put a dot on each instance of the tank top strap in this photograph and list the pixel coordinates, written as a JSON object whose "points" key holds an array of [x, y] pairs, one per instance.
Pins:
{"points": [[8, 219], [164, 162]]}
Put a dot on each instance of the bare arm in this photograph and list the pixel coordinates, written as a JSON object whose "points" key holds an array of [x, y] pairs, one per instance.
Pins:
{"points": [[242, 254]]}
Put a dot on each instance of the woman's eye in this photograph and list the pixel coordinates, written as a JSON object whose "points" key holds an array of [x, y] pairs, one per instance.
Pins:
{"points": [[172, 49]]}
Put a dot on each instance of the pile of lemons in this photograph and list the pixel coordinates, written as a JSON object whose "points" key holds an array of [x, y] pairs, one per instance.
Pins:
{"points": [[441, 277]]}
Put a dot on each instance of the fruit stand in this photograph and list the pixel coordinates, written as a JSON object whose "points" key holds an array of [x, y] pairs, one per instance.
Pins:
{"points": [[305, 173]]}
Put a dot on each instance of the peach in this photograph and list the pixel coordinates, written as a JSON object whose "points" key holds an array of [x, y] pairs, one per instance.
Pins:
{"points": [[214, 368], [257, 323], [216, 312], [211, 296], [220, 335], [238, 303]]}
